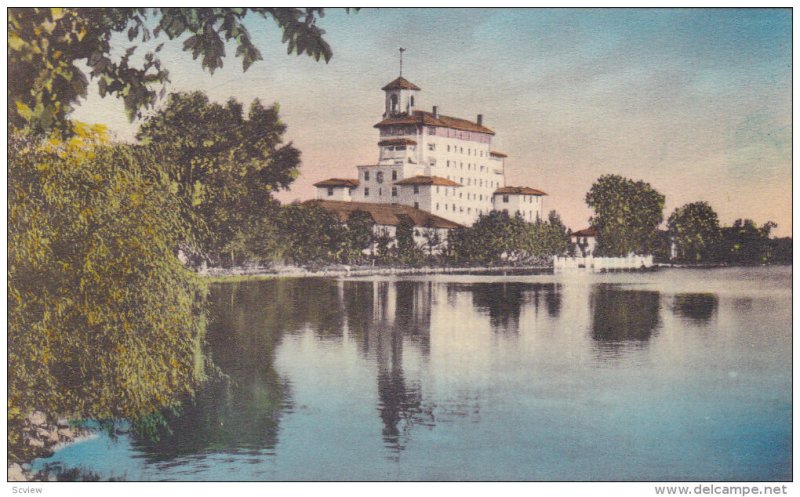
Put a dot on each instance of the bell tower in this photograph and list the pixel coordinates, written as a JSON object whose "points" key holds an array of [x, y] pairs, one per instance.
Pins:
{"points": [[400, 94]]}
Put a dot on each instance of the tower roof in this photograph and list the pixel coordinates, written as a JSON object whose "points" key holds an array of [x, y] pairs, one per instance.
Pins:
{"points": [[401, 83], [420, 117]]}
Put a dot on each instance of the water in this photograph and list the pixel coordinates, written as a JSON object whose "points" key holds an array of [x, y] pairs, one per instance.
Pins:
{"points": [[671, 375]]}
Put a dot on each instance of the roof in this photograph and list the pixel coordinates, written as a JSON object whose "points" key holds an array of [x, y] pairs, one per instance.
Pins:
{"points": [[518, 190], [495, 153], [427, 180], [423, 118], [590, 231], [350, 183], [385, 214], [397, 141], [401, 83]]}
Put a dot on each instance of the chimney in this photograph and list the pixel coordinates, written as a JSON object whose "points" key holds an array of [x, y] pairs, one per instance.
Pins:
{"points": [[436, 112], [480, 119]]}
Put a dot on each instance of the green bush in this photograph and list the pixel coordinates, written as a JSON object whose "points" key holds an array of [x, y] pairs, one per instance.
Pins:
{"points": [[104, 321]]}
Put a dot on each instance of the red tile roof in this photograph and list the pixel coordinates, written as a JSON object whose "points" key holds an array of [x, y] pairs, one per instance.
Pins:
{"points": [[423, 118], [518, 190], [401, 83], [385, 214], [427, 180], [350, 183], [495, 153], [590, 231], [397, 141]]}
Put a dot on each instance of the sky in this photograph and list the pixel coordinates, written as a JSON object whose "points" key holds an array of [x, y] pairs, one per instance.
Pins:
{"points": [[697, 102]]}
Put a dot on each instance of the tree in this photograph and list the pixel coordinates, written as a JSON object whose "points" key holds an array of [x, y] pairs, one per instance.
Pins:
{"points": [[360, 234], [407, 250], [312, 235], [104, 321], [46, 45], [224, 165], [744, 243], [626, 215], [694, 228]]}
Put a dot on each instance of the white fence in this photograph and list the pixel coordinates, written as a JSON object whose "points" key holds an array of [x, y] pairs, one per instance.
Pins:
{"points": [[604, 263]]}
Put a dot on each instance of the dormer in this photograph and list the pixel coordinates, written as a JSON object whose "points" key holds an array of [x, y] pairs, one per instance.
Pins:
{"points": [[400, 97]]}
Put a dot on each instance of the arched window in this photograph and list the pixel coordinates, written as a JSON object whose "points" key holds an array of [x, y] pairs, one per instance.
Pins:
{"points": [[411, 100], [379, 176], [394, 103]]}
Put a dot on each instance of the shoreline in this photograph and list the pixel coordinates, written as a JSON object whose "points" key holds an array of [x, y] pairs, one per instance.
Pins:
{"points": [[256, 273], [41, 437]]}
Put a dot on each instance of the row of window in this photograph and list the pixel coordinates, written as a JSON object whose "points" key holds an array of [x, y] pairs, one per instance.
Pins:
{"points": [[380, 191], [474, 182], [379, 176]]}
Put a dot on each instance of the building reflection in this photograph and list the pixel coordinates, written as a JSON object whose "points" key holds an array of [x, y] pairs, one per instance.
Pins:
{"points": [[622, 318], [698, 308]]}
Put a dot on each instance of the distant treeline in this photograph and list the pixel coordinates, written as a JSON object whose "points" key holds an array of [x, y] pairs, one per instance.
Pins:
{"points": [[309, 235]]}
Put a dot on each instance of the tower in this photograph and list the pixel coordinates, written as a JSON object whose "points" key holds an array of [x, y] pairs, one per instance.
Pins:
{"points": [[400, 97]]}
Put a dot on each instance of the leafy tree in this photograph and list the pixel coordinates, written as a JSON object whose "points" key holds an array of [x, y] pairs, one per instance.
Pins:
{"points": [[224, 165], [312, 235], [407, 250], [360, 234], [694, 228], [45, 46], [104, 321], [626, 215], [744, 243]]}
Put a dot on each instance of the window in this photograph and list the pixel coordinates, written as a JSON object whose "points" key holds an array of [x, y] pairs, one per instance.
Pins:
{"points": [[469, 210], [400, 147], [394, 175], [432, 162], [431, 130], [379, 176], [416, 189], [437, 188], [416, 205], [448, 148], [445, 206], [366, 175], [366, 192], [411, 100], [380, 192], [460, 195], [437, 206], [330, 192], [394, 191], [431, 146], [505, 199], [394, 103], [448, 163]]}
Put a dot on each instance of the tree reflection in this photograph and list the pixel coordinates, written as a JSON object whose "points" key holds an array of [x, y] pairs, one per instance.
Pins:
{"points": [[623, 318], [504, 301], [242, 408], [696, 307]]}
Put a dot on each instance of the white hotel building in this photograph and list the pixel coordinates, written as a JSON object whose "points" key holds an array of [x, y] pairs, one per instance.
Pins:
{"points": [[435, 163]]}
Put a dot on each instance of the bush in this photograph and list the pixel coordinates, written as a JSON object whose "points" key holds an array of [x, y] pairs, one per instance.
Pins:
{"points": [[104, 321]]}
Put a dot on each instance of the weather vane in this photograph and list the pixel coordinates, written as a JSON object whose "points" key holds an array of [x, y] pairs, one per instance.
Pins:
{"points": [[401, 60]]}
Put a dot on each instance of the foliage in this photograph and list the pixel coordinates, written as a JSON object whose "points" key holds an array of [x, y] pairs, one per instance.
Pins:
{"points": [[45, 46], [744, 243], [407, 250], [224, 166], [104, 321], [311, 234], [694, 229], [626, 215], [359, 234], [497, 237]]}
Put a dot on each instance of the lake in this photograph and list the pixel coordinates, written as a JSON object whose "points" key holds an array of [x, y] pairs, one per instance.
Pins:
{"points": [[678, 374]]}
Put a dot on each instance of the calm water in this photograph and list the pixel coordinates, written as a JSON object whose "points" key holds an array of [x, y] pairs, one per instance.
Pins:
{"points": [[673, 375]]}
